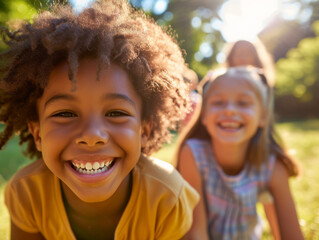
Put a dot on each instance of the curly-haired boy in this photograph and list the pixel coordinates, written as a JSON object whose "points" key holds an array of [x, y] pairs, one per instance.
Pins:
{"points": [[93, 95]]}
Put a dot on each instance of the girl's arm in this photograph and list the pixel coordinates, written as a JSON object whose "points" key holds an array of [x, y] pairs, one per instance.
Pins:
{"points": [[284, 204], [18, 234], [188, 169], [270, 212]]}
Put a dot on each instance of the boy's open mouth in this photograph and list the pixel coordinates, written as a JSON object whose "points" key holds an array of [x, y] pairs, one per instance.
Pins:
{"points": [[92, 167]]}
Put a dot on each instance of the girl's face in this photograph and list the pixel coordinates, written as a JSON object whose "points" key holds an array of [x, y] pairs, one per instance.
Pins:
{"points": [[90, 138], [232, 111]]}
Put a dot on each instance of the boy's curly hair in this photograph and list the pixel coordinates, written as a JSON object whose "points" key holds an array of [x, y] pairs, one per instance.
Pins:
{"points": [[111, 31]]}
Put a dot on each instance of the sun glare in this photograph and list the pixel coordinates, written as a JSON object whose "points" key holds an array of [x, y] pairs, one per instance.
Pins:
{"points": [[80, 5], [244, 19]]}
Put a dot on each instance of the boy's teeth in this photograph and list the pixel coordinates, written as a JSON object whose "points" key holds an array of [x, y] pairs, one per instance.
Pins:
{"points": [[88, 166], [92, 167], [96, 165]]}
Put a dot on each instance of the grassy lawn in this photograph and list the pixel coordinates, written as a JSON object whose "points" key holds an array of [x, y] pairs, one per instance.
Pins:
{"points": [[301, 138]]}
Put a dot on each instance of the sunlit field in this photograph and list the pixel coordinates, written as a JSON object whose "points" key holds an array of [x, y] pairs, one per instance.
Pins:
{"points": [[301, 138]]}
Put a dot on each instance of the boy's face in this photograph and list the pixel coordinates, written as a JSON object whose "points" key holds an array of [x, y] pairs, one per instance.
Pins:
{"points": [[90, 138]]}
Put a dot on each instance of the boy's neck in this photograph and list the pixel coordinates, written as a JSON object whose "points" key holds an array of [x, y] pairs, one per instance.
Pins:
{"points": [[231, 158], [110, 207], [91, 217]]}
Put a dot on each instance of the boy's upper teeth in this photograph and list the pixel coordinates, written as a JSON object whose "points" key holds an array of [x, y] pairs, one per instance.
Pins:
{"points": [[91, 165]]}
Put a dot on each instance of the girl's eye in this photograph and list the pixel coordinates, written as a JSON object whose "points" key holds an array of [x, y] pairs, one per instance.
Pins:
{"points": [[217, 103], [65, 115], [116, 114], [243, 103]]}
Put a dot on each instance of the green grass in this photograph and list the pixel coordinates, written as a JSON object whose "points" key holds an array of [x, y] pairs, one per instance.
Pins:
{"points": [[300, 137]]}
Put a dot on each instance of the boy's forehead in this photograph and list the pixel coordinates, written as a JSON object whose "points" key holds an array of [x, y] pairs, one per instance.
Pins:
{"points": [[87, 66], [111, 79]]}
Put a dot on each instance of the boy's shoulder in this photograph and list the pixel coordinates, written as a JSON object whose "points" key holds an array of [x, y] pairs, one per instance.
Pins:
{"points": [[34, 170], [161, 172]]}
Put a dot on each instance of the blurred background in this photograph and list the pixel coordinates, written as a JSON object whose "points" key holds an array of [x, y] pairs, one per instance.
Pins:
{"points": [[289, 29]]}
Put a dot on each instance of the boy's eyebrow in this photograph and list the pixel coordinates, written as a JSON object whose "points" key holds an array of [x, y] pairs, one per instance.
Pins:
{"points": [[119, 96], [106, 96], [58, 97]]}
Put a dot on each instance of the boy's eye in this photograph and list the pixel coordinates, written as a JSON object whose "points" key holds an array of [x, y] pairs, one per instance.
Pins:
{"points": [[116, 114], [64, 114]]}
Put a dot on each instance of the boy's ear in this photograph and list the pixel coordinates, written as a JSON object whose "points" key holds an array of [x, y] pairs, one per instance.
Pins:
{"points": [[146, 131], [34, 129]]}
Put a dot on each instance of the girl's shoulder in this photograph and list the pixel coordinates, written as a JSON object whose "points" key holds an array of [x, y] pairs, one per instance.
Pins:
{"points": [[195, 143], [268, 166], [202, 152], [263, 174]]}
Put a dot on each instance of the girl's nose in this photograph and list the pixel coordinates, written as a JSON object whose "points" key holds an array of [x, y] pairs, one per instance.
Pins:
{"points": [[230, 108], [93, 134]]}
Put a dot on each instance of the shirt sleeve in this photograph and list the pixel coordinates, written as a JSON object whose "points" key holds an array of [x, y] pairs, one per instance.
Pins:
{"points": [[17, 200], [179, 214]]}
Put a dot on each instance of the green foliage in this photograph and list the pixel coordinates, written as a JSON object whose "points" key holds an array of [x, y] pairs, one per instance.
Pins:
{"points": [[299, 72], [11, 158], [14, 10]]}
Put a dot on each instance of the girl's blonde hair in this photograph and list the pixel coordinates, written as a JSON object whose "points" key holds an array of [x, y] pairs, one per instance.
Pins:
{"points": [[265, 141]]}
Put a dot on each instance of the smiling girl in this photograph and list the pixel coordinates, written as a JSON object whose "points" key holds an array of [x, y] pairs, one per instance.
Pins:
{"points": [[226, 155]]}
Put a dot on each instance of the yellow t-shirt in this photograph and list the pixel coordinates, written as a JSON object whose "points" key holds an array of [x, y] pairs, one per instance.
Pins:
{"points": [[160, 206]]}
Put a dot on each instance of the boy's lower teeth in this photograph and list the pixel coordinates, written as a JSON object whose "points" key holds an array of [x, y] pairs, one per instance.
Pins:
{"points": [[92, 171]]}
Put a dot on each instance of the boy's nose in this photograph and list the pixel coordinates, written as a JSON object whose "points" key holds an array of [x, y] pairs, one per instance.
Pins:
{"points": [[93, 134]]}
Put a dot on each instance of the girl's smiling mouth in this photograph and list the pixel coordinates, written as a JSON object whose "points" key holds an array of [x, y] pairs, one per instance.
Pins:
{"points": [[230, 125]]}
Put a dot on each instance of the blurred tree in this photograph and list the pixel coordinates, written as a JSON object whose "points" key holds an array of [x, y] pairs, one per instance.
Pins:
{"points": [[281, 35], [298, 79], [193, 21]]}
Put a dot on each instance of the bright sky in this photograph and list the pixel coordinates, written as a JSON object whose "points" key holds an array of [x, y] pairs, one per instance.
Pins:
{"points": [[244, 19], [80, 5]]}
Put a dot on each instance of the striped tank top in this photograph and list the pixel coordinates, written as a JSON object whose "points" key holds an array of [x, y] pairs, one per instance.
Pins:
{"points": [[230, 200]]}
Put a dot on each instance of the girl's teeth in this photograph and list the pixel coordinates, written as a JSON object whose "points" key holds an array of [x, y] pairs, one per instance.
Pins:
{"points": [[230, 125]]}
